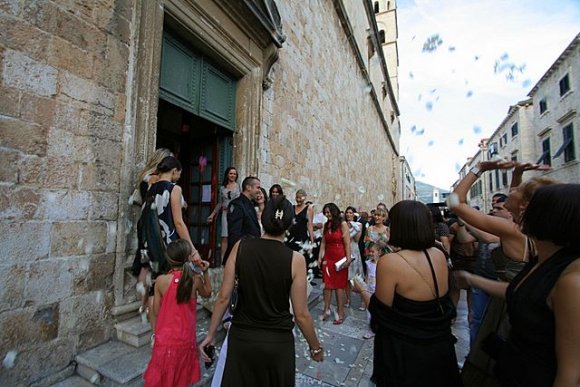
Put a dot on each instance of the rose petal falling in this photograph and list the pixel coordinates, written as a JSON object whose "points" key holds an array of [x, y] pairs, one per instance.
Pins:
{"points": [[287, 182]]}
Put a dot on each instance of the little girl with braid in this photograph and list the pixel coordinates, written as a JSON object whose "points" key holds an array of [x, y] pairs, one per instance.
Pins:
{"points": [[175, 359]]}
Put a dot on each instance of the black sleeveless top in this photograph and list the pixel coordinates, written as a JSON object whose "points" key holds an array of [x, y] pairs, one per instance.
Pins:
{"points": [[265, 278], [529, 356], [298, 233], [413, 343]]}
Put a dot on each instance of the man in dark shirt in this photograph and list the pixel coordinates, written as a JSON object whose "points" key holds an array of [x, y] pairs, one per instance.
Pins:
{"points": [[242, 218]]}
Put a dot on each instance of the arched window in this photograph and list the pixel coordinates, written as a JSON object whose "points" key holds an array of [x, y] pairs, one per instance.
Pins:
{"points": [[376, 7], [382, 36]]}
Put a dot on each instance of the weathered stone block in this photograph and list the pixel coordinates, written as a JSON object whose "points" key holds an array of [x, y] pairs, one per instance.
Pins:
{"points": [[61, 174], [37, 109], [18, 203], [84, 313], [29, 325], [63, 54], [25, 136], [42, 14], [32, 170], [98, 177], [115, 20], [52, 355], [23, 242], [102, 126], [79, 32], [64, 205], [85, 90], [12, 289], [48, 281], [78, 238], [104, 206], [10, 6], [25, 73], [9, 103], [94, 273], [8, 169], [111, 70], [67, 117], [16, 35]]}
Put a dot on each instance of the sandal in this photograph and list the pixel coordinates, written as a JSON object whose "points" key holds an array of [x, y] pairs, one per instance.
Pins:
{"points": [[324, 316], [339, 321]]}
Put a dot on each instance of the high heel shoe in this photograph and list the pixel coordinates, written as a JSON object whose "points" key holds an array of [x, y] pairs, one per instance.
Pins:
{"points": [[324, 316], [339, 321]]}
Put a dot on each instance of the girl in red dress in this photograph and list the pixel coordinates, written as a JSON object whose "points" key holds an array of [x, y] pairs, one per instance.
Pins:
{"points": [[334, 246], [175, 360]]}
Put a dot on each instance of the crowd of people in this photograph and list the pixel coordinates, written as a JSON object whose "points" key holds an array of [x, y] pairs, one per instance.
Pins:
{"points": [[518, 264]]}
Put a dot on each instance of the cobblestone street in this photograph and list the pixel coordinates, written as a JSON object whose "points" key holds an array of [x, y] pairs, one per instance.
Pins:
{"points": [[349, 357]]}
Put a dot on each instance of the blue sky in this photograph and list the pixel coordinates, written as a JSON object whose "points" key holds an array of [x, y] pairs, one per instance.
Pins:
{"points": [[481, 57]]}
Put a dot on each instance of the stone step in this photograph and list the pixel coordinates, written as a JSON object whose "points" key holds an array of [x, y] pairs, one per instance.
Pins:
{"points": [[134, 332]]}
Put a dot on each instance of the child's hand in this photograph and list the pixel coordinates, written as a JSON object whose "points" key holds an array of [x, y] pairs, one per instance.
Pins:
{"points": [[204, 265]]}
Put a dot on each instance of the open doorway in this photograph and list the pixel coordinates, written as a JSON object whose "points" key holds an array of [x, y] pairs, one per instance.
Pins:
{"points": [[205, 151]]}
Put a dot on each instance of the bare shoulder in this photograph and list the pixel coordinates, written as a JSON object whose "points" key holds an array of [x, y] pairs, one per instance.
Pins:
{"points": [[569, 281]]}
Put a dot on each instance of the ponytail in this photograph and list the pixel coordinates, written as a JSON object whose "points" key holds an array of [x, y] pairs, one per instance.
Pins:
{"points": [[178, 253]]}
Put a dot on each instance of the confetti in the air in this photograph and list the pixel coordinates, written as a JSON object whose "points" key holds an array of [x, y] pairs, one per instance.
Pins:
{"points": [[362, 189], [9, 359], [432, 43], [429, 106], [433, 91], [451, 48], [509, 69], [469, 94], [457, 167], [381, 197], [287, 182], [419, 97], [420, 132], [476, 58], [411, 76], [476, 129], [430, 143], [527, 83], [460, 142], [413, 128]]}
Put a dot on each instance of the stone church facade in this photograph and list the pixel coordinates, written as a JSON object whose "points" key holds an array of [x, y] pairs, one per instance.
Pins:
{"points": [[290, 91]]}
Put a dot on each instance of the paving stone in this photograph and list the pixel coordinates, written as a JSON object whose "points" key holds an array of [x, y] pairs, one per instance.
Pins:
{"points": [[73, 381], [127, 367], [103, 354]]}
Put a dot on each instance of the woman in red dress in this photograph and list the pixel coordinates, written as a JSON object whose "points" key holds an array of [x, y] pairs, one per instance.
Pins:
{"points": [[334, 246]]}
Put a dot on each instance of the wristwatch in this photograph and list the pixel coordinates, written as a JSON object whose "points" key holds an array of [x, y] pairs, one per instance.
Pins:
{"points": [[476, 171]]}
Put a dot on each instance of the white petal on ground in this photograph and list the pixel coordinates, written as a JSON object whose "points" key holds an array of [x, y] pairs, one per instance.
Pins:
{"points": [[9, 359]]}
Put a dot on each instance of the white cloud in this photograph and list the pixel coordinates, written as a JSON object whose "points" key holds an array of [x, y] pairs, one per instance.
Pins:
{"points": [[532, 33]]}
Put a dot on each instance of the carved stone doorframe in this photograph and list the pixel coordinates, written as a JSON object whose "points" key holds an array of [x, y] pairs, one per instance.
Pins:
{"points": [[243, 37]]}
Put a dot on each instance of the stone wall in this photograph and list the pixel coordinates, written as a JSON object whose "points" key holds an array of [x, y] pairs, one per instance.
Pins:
{"points": [[63, 68], [321, 129]]}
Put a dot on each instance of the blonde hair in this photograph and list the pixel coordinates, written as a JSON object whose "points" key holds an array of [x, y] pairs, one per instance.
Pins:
{"points": [[528, 187], [382, 212], [151, 165]]}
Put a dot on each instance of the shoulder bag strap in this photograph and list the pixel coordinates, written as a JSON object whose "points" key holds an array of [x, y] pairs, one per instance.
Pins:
{"points": [[432, 273]]}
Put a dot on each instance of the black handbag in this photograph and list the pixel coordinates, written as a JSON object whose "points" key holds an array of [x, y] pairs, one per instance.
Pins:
{"points": [[235, 297]]}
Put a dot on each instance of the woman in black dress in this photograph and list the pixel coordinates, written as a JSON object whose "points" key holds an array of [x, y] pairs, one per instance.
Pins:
{"points": [[411, 311], [543, 347], [260, 339]]}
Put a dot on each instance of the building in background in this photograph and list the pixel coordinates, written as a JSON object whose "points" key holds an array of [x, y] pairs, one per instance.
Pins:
{"points": [[288, 91], [556, 123], [427, 193], [541, 129], [408, 186]]}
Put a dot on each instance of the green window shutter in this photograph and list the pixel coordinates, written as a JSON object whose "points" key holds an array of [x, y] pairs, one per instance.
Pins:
{"points": [[218, 95], [180, 73], [225, 155]]}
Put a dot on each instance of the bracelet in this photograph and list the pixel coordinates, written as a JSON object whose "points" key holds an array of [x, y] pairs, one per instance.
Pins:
{"points": [[314, 352]]}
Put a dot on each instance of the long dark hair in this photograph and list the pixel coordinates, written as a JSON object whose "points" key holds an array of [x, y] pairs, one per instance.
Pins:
{"points": [[226, 173], [335, 221], [178, 253], [278, 188], [168, 163]]}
